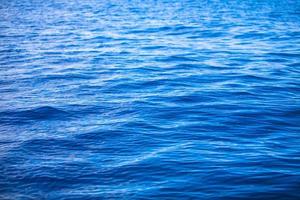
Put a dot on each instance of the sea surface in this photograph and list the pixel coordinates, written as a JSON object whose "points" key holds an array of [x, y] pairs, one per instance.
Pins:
{"points": [[153, 99]]}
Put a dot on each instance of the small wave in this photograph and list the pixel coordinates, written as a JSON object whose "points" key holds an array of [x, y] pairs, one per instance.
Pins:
{"points": [[177, 58], [36, 114], [151, 155]]}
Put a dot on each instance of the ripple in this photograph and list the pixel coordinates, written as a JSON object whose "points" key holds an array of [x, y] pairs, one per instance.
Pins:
{"points": [[149, 99]]}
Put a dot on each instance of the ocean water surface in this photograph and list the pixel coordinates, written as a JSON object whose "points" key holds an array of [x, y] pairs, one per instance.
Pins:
{"points": [[154, 99]]}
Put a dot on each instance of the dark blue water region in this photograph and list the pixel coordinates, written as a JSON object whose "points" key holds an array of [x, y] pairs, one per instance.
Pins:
{"points": [[154, 99]]}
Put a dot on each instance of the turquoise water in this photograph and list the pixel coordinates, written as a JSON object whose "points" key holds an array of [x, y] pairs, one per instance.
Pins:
{"points": [[149, 99]]}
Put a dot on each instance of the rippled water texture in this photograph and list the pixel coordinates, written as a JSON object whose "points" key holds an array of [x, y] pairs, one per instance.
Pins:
{"points": [[164, 99]]}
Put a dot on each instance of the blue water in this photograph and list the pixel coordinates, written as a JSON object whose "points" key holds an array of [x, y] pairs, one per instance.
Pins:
{"points": [[155, 99]]}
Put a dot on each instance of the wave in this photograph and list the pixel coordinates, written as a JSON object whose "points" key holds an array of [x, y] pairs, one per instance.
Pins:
{"points": [[34, 114]]}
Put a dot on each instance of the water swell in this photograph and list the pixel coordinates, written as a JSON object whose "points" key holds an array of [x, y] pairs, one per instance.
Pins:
{"points": [[40, 113], [149, 99]]}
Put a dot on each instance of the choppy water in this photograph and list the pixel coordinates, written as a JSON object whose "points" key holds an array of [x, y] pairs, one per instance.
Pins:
{"points": [[149, 99]]}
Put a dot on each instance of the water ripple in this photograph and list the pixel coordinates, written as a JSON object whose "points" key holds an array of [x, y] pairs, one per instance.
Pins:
{"points": [[149, 99]]}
